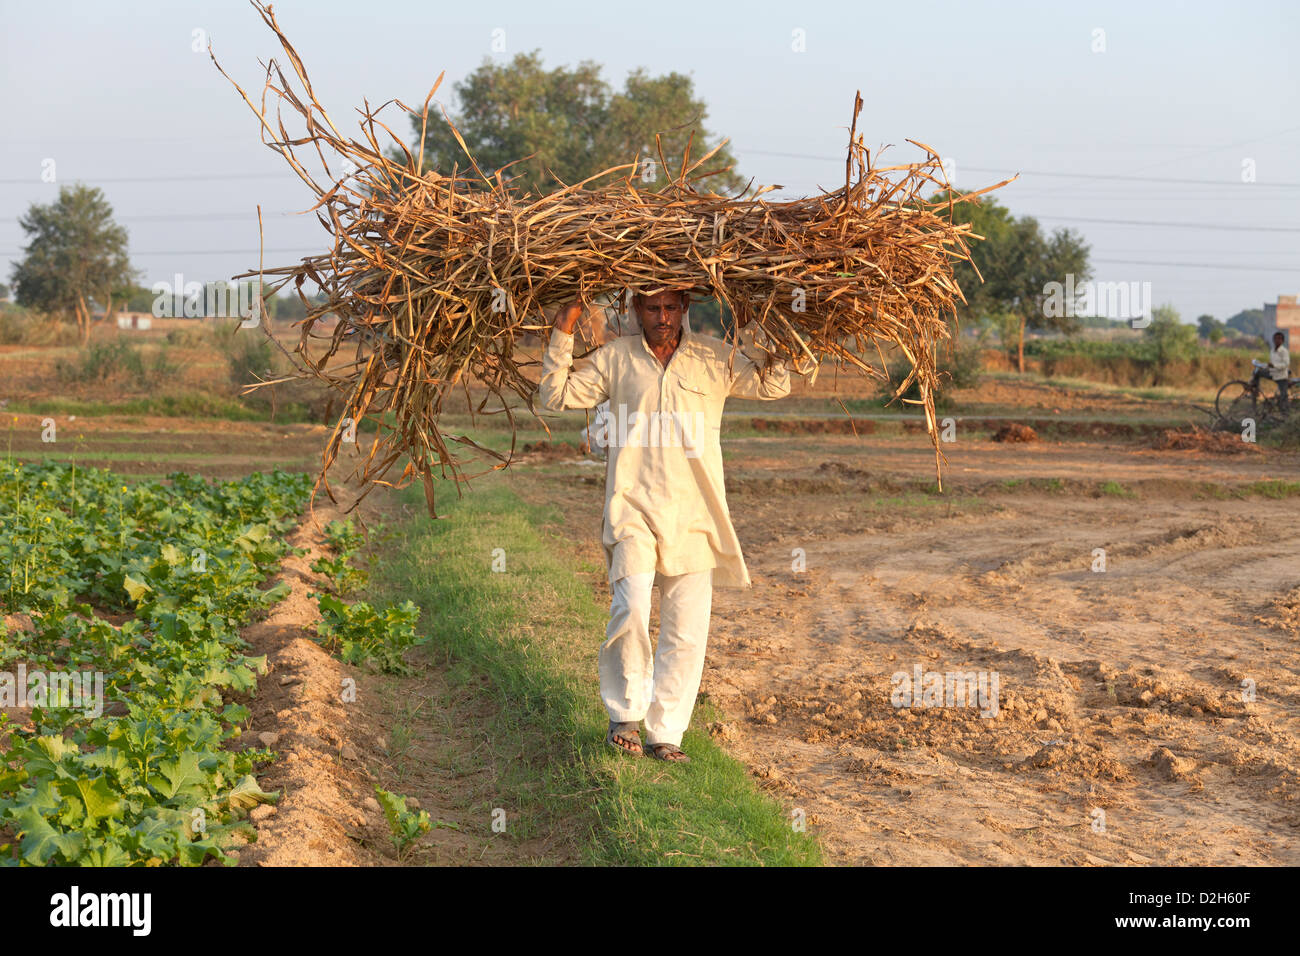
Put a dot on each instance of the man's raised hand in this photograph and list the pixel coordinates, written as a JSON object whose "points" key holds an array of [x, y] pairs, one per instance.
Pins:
{"points": [[566, 320]]}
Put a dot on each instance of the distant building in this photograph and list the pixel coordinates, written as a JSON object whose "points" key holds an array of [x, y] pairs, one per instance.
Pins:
{"points": [[1284, 317], [134, 320], [143, 321]]}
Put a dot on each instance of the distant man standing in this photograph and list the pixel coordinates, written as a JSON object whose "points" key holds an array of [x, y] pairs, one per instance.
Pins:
{"points": [[1278, 370], [666, 521]]}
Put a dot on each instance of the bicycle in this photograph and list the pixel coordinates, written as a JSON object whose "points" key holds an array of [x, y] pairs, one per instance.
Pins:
{"points": [[1257, 399]]}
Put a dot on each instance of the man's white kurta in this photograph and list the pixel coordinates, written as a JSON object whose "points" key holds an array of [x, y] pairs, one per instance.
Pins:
{"points": [[1279, 363], [665, 505]]}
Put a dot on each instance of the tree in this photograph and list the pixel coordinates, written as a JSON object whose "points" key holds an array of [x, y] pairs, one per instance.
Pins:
{"points": [[710, 316], [991, 255], [4, 292], [1210, 328], [567, 124], [1019, 263], [75, 252], [1174, 340], [1250, 322], [137, 298], [290, 307]]}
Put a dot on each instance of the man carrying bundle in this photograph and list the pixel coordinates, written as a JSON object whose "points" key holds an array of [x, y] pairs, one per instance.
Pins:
{"points": [[666, 521]]}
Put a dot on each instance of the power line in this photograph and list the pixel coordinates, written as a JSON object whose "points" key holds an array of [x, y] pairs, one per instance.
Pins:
{"points": [[1172, 225], [1139, 198], [1211, 149], [186, 216], [207, 252], [1199, 265], [213, 177], [1039, 172], [1140, 179], [1117, 222], [1204, 251], [1130, 262]]}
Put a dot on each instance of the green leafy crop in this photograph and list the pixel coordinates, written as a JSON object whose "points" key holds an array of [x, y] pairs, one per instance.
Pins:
{"points": [[146, 585], [406, 827], [361, 634], [343, 540]]}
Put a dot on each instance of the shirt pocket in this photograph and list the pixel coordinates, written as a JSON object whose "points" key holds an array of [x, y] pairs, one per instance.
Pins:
{"points": [[695, 408], [692, 398]]}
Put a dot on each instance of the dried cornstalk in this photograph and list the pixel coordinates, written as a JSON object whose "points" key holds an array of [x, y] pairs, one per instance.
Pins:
{"points": [[434, 277]]}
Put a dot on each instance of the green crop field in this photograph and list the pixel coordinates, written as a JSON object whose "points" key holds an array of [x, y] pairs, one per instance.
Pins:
{"points": [[147, 585]]}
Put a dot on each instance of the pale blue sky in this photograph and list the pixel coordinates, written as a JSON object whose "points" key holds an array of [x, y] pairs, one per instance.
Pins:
{"points": [[112, 92]]}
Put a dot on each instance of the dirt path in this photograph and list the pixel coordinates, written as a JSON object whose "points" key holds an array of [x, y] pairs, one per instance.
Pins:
{"points": [[339, 730]]}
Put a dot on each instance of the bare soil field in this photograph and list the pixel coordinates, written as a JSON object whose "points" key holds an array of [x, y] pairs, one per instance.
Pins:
{"points": [[156, 445], [1147, 713]]}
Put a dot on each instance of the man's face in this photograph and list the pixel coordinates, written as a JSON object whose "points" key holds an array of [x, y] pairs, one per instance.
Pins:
{"points": [[661, 316], [1278, 339]]}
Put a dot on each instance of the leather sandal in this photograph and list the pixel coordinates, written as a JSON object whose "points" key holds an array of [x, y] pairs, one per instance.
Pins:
{"points": [[629, 733], [668, 752]]}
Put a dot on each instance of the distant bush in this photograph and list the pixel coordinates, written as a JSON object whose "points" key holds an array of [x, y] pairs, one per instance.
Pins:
{"points": [[19, 326], [1137, 362], [1173, 341], [116, 361], [251, 357], [958, 367], [198, 335], [1288, 433], [1132, 350]]}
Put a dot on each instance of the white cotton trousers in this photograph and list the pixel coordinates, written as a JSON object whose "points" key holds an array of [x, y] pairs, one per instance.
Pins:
{"points": [[659, 690]]}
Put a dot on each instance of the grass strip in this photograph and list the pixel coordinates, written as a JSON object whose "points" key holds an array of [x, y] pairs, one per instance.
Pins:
{"points": [[533, 630]]}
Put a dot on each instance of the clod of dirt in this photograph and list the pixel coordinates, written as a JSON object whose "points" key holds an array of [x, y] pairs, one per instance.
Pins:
{"points": [[1015, 432], [1169, 765], [1077, 757], [1286, 612], [814, 426], [551, 450], [837, 469], [18, 624], [1200, 439], [1157, 688]]}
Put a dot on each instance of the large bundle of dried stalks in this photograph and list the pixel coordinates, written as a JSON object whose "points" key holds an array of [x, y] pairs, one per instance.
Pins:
{"points": [[435, 275]]}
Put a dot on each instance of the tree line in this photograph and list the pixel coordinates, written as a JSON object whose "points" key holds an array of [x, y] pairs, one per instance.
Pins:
{"points": [[539, 129]]}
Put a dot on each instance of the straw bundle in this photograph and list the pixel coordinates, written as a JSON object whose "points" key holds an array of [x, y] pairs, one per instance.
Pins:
{"points": [[435, 275]]}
